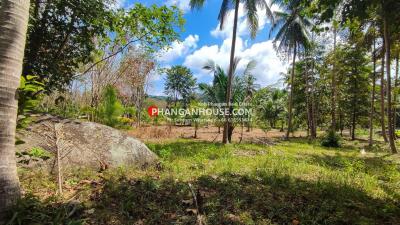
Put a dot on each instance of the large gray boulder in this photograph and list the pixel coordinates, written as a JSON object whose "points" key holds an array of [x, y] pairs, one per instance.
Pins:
{"points": [[86, 144]]}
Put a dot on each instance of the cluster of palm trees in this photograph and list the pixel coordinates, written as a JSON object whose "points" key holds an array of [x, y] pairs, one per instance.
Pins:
{"points": [[291, 37]]}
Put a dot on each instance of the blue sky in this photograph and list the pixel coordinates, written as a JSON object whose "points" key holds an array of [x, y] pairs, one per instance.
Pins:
{"points": [[203, 40]]}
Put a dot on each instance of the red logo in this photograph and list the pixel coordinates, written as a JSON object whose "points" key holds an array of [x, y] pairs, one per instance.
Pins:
{"points": [[153, 111]]}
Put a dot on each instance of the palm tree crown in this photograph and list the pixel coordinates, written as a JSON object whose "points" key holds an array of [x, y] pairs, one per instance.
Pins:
{"points": [[251, 9], [292, 27]]}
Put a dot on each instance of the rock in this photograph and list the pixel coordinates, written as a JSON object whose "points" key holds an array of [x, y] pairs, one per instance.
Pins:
{"points": [[86, 144]]}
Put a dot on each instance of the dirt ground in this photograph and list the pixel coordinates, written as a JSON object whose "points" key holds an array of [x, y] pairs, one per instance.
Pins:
{"points": [[210, 134]]}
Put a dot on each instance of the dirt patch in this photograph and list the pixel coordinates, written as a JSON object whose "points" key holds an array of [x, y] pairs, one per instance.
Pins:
{"points": [[210, 134]]}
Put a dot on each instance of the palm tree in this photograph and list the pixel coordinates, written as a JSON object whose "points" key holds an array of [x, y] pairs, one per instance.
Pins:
{"points": [[251, 7], [292, 37], [14, 16], [250, 87], [216, 93], [249, 80]]}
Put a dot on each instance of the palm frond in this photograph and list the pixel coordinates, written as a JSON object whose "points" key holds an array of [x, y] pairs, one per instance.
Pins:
{"points": [[226, 5], [210, 66], [249, 67], [196, 4], [252, 17]]}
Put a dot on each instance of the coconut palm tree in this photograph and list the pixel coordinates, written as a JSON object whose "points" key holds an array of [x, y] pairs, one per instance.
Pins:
{"points": [[14, 16], [216, 93], [251, 8], [249, 80], [292, 36]]}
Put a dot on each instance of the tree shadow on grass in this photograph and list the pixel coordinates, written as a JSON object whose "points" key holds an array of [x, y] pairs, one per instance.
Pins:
{"points": [[384, 170], [238, 199], [31, 210], [224, 199]]}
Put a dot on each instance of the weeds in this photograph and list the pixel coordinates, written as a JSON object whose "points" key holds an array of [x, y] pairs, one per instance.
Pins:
{"points": [[287, 183]]}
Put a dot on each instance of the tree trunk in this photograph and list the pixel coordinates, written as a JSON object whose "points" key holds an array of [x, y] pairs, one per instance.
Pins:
{"points": [[396, 83], [333, 112], [353, 127], [383, 100], [195, 129], [230, 132], [313, 119], [372, 109], [241, 132], [354, 114], [291, 93], [341, 126], [389, 87], [227, 126], [14, 15], [310, 104]]}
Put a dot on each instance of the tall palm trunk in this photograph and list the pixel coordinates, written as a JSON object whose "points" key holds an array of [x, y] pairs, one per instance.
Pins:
{"points": [[291, 92], [389, 87], [228, 125], [372, 109], [383, 100], [14, 15]]}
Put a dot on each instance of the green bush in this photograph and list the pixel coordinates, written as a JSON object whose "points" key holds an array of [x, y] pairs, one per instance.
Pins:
{"points": [[331, 139], [39, 153], [29, 95], [111, 107], [397, 133]]}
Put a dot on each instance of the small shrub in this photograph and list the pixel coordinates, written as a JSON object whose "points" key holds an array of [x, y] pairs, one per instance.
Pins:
{"points": [[111, 108], [39, 153], [331, 139], [397, 133]]}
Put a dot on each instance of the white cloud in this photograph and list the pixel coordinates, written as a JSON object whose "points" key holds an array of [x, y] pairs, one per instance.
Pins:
{"points": [[220, 54], [179, 49], [269, 66], [182, 4]]}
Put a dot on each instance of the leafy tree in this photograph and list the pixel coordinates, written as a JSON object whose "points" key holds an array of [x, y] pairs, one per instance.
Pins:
{"points": [[63, 35], [135, 68], [386, 12], [28, 92], [270, 107], [354, 101], [111, 108], [180, 84]]}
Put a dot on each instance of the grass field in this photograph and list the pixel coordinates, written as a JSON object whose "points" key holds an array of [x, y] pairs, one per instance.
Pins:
{"points": [[292, 182]]}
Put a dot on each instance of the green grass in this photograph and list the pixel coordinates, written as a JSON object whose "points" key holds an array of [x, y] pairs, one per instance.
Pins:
{"points": [[235, 184]]}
